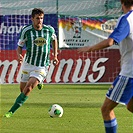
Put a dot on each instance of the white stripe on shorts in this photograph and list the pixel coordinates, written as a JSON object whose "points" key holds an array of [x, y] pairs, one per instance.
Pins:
{"points": [[119, 88]]}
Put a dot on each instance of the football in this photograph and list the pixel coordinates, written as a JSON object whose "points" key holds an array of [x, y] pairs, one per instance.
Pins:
{"points": [[55, 110]]}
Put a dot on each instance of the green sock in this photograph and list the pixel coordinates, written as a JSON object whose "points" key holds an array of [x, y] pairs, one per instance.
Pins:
{"points": [[19, 102]]}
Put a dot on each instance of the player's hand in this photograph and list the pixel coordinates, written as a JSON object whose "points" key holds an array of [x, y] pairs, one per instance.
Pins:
{"points": [[55, 61], [83, 49], [20, 58]]}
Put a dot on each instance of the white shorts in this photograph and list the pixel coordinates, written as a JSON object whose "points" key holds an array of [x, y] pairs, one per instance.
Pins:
{"points": [[33, 71]]}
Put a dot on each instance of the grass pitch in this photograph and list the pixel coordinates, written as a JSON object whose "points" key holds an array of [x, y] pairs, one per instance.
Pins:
{"points": [[81, 104]]}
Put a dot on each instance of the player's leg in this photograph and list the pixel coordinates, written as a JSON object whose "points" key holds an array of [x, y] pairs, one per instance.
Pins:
{"points": [[22, 86], [109, 118], [37, 75], [23, 96], [41, 85], [24, 78], [130, 105], [26, 69], [107, 109], [119, 92], [32, 83]]}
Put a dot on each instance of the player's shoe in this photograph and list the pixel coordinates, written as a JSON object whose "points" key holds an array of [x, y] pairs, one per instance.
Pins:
{"points": [[40, 86], [8, 114]]}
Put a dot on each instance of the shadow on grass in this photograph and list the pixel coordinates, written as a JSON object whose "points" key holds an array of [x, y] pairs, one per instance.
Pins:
{"points": [[64, 105]]}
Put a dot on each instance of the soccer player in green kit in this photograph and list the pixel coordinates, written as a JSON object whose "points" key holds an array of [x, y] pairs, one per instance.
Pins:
{"points": [[37, 37]]}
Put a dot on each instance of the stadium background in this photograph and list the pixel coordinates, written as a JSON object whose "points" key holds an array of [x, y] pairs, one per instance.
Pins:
{"points": [[101, 66]]}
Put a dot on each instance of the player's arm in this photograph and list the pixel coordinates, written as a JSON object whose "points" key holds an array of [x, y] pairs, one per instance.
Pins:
{"points": [[21, 43], [101, 45], [55, 49], [54, 45], [19, 54]]}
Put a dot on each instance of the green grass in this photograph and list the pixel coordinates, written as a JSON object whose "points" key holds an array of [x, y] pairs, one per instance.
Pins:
{"points": [[81, 104]]}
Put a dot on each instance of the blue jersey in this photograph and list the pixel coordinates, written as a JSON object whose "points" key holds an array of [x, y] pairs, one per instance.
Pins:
{"points": [[123, 35]]}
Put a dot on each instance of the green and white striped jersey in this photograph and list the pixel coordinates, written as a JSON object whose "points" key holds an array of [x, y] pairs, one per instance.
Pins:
{"points": [[37, 44]]}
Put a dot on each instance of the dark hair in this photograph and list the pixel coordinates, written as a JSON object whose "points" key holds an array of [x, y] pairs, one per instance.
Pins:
{"points": [[36, 11], [127, 3]]}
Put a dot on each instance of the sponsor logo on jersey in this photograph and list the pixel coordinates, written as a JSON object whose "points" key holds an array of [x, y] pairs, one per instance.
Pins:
{"points": [[40, 41]]}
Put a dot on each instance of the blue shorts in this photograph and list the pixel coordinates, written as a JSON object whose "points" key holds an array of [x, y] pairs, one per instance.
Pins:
{"points": [[121, 90]]}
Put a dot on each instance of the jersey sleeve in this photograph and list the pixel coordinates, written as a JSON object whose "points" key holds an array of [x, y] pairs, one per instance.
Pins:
{"points": [[22, 39], [53, 35], [121, 31]]}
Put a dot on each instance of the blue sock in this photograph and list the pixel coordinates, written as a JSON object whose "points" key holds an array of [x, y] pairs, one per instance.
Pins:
{"points": [[111, 126]]}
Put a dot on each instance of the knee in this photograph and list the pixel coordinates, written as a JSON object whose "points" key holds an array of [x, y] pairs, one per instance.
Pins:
{"points": [[27, 90], [105, 110]]}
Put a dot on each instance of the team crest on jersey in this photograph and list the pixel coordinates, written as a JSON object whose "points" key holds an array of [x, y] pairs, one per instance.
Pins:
{"points": [[40, 41]]}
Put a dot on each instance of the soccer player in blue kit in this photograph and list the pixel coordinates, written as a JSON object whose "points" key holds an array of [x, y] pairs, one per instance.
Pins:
{"points": [[121, 90]]}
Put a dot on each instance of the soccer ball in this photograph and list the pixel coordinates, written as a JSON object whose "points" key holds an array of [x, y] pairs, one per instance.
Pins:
{"points": [[55, 110]]}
